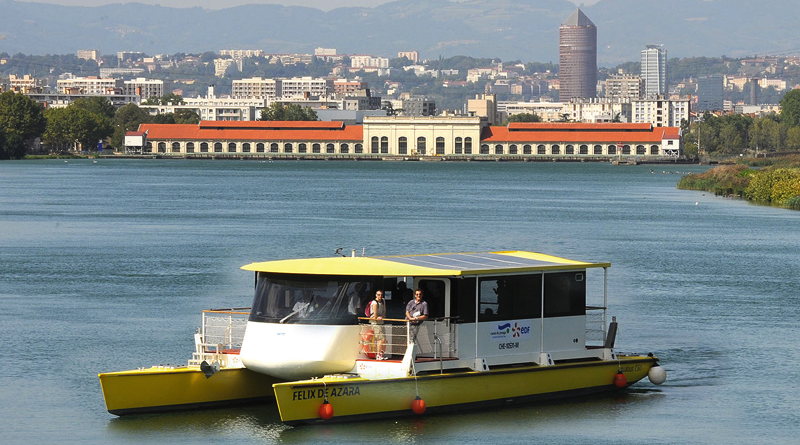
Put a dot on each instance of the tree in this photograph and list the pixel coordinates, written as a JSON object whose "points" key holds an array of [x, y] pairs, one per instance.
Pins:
{"points": [[790, 108], [21, 121], [524, 117], [71, 125], [290, 112], [98, 105], [127, 118], [184, 116]]}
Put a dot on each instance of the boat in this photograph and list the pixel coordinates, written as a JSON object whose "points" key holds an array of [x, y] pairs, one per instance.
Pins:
{"points": [[502, 327], [213, 376]]}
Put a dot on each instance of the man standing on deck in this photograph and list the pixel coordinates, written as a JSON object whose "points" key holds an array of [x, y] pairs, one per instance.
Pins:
{"points": [[416, 313], [377, 313]]}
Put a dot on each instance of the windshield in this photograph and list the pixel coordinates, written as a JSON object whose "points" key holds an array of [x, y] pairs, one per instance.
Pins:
{"points": [[311, 299]]}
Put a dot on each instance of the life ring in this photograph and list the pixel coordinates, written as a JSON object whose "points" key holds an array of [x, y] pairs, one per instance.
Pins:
{"points": [[367, 345]]}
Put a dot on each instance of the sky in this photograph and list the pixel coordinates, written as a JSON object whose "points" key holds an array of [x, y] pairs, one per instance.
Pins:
{"points": [[318, 4]]}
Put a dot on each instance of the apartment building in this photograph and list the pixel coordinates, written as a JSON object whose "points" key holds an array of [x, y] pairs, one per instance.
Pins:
{"points": [[24, 84], [623, 86], [660, 112], [256, 87], [144, 88], [368, 62], [305, 86], [91, 85]]}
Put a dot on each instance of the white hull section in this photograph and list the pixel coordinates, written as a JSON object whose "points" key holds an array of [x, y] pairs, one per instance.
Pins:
{"points": [[299, 351]]}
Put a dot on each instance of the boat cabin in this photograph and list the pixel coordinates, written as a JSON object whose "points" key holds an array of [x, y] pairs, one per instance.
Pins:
{"points": [[485, 310]]}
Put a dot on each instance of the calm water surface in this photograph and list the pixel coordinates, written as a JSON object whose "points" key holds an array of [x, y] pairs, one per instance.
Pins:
{"points": [[105, 266]]}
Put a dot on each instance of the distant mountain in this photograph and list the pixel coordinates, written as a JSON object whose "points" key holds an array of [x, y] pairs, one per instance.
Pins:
{"points": [[509, 29]]}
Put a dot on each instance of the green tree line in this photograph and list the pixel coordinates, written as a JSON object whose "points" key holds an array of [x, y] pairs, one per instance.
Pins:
{"points": [[775, 185], [719, 136]]}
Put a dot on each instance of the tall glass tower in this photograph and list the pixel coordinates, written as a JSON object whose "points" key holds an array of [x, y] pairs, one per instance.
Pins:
{"points": [[654, 71], [577, 64]]}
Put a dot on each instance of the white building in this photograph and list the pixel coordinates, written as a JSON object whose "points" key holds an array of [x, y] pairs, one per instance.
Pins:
{"points": [[256, 87], [91, 85], [661, 112], [547, 111], [144, 88], [654, 70], [221, 66], [369, 62], [623, 86], [25, 84], [324, 52], [597, 110], [241, 53], [305, 86], [410, 55], [87, 54]]}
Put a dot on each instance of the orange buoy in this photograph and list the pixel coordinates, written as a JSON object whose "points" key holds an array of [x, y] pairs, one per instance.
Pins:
{"points": [[620, 381], [367, 346], [325, 410], [418, 406]]}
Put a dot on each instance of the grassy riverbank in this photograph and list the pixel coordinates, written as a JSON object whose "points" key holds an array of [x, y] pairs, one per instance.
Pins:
{"points": [[776, 183]]}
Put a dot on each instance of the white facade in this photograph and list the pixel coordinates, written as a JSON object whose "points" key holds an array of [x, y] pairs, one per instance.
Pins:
{"points": [[25, 84], [410, 55], [256, 87], [303, 86], [144, 88], [221, 66], [654, 70], [421, 135], [547, 111], [369, 62], [661, 112], [598, 110], [241, 53], [89, 85], [87, 54], [626, 86]]}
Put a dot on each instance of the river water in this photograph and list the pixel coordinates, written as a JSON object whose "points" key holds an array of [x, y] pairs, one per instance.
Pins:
{"points": [[106, 265]]}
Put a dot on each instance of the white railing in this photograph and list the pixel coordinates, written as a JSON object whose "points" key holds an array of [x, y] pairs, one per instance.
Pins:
{"points": [[221, 332], [435, 338]]}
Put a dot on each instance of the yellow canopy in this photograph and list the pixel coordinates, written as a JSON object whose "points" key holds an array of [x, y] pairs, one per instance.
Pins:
{"points": [[431, 265]]}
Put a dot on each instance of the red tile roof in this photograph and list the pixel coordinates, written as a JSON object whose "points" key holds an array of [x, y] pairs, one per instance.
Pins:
{"points": [[577, 126], [580, 133], [273, 125], [263, 131]]}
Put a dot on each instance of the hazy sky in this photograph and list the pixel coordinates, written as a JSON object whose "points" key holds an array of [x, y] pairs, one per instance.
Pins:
{"points": [[319, 4]]}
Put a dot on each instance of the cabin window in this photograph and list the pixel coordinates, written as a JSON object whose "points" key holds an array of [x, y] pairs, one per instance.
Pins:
{"points": [[317, 299], [519, 296], [435, 293]]}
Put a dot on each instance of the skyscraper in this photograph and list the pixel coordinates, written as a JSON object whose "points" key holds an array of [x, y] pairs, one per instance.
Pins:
{"points": [[654, 70], [577, 65]]}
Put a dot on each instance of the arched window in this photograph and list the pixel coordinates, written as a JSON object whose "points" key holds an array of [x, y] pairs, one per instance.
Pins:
{"points": [[626, 149], [459, 146], [541, 150], [162, 147], [498, 149], [315, 148], [440, 146], [570, 150], [584, 149], [555, 150], [359, 148], [612, 149], [598, 149], [204, 147], [512, 149], [484, 149], [246, 147], [232, 147], [190, 147], [421, 145], [217, 147], [148, 148], [526, 149], [287, 148], [344, 148], [384, 144], [273, 148], [402, 145], [176, 147], [467, 146], [654, 150], [373, 147], [330, 148], [302, 148], [260, 147], [640, 150]]}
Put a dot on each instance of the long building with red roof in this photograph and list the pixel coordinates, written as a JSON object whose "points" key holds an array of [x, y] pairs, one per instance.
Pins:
{"points": [[408, 137]]}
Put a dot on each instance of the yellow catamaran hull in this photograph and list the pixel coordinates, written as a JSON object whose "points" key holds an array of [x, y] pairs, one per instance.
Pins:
{"points": [[357, 398], [164, 388]]}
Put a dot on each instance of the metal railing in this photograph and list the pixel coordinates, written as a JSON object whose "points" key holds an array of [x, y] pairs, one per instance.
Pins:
{"points": [[435, 338], [221, 332]]}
